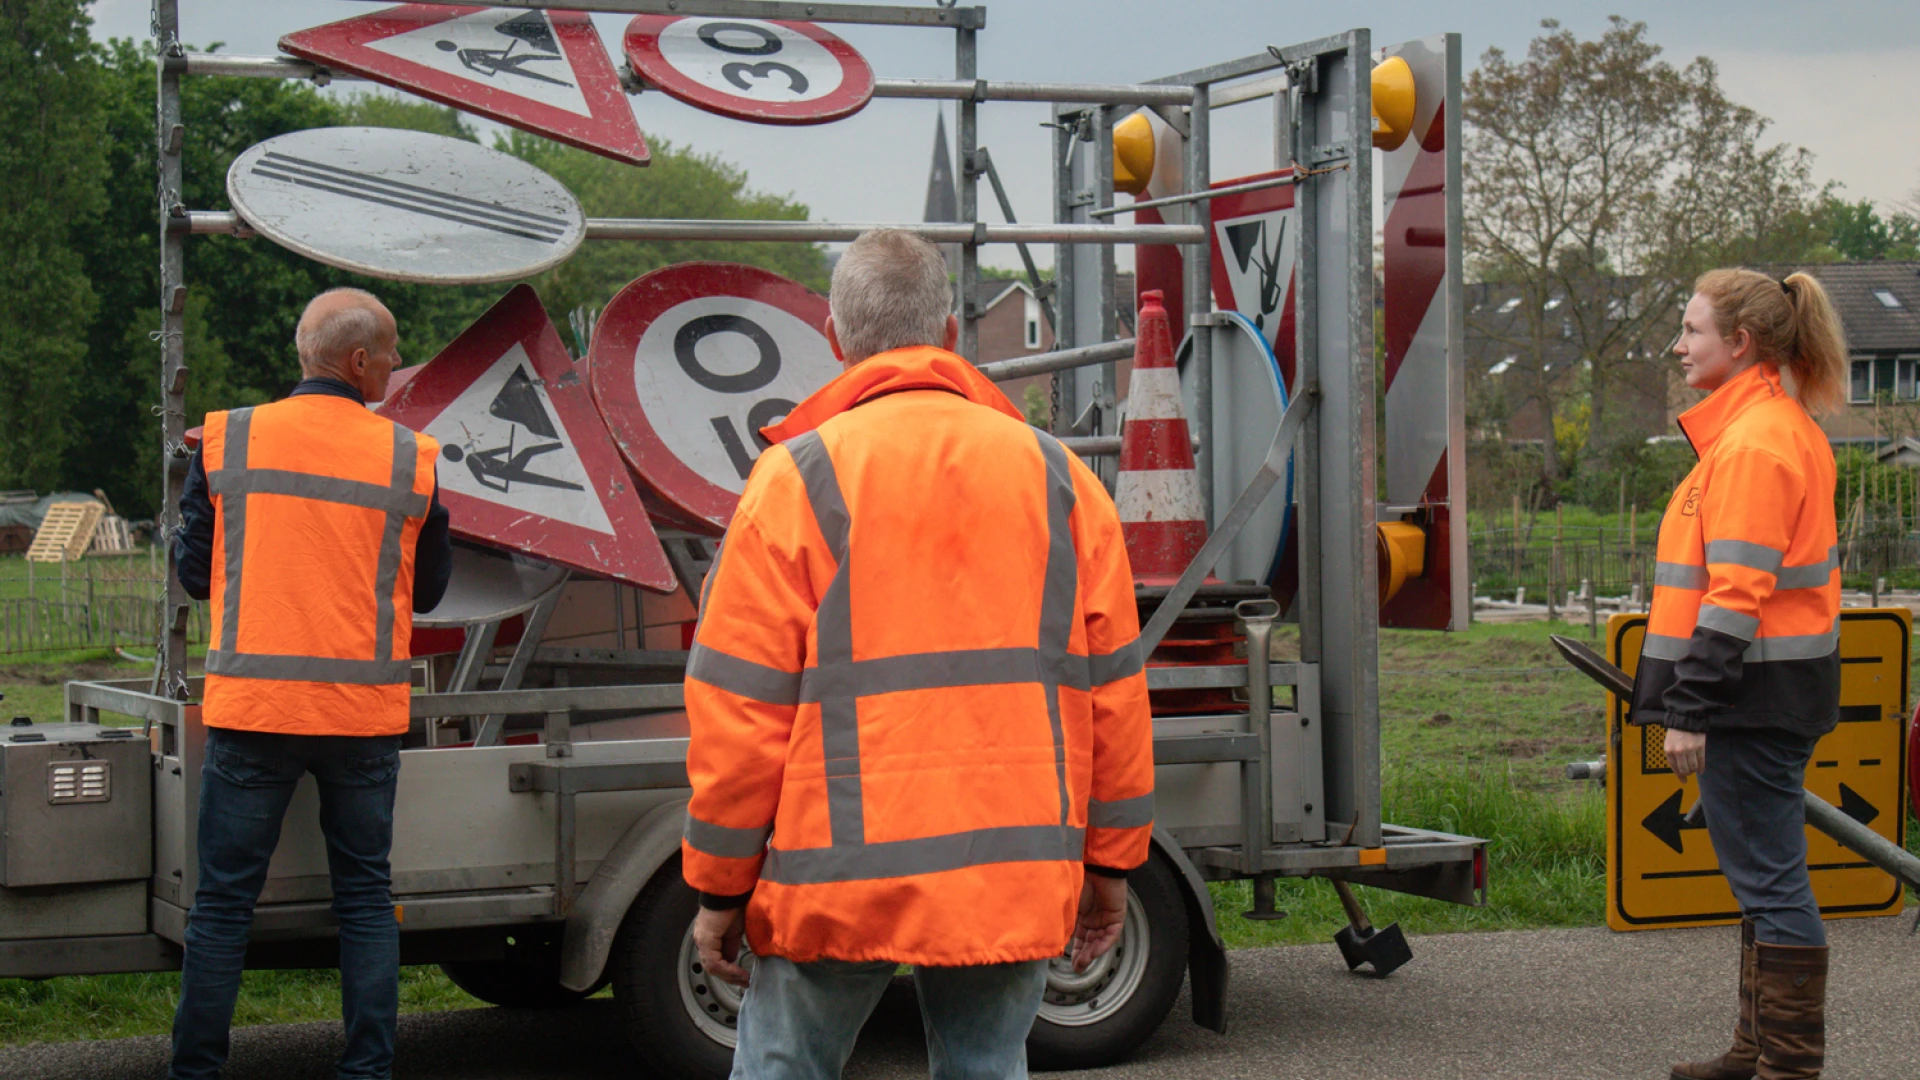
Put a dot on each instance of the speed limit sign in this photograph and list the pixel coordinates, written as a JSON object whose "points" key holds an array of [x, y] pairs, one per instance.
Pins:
{"points": [[690, 362], [752, 69]]}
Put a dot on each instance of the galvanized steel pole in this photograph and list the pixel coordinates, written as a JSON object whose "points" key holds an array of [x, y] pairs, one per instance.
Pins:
{"points": [[170, 672], [1199, 289], [967, 138]]}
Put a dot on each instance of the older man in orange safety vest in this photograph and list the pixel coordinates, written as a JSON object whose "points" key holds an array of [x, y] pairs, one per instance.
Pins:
{"points": [[315, 527], [919, 720]]}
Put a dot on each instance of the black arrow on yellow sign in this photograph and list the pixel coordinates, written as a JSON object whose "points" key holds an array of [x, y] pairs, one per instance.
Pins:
{"points": [[1667, 822], [1855, 806]]}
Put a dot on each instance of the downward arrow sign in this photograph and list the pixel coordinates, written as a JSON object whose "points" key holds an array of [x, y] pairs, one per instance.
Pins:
{"points": [[1667, 822], [1856, 807]]}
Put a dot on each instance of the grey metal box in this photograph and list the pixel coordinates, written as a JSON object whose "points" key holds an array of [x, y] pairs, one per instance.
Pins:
{"points": [[76, 805]]}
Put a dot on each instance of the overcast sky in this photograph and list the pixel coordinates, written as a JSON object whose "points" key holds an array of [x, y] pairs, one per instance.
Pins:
{"points": [[1838, 78]]}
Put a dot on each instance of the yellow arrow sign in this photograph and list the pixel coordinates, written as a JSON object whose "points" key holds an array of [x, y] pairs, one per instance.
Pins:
{"points": [[1661, 869]]}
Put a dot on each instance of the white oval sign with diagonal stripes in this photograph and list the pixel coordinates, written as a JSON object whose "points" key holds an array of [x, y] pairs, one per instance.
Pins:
{"points": [[405, 205]]}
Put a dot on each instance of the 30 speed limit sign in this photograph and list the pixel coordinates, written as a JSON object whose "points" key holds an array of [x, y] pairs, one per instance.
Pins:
{"points": [[691, 361], [752, 69]]}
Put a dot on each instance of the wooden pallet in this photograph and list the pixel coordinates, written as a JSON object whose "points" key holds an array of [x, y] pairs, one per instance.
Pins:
{"points": [[66, 532], [113, 537]]}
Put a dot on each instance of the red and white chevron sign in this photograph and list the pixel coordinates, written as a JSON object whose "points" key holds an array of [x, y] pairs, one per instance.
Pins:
{"points": [[1425, 371]]}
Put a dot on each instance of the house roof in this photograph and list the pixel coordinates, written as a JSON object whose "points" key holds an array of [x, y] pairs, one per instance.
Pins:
{"points": [[1871, 325]]}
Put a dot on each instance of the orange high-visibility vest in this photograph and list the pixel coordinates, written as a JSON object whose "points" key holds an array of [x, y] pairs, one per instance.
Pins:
{"points": [[1744, 629], [916, 702], [318, 505]]}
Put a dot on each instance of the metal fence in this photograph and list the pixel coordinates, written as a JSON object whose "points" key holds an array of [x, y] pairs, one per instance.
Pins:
{"points": [[1507, 559]]}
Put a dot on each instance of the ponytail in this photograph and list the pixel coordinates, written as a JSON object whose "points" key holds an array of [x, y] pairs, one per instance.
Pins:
{"points": [[1792, 323]]}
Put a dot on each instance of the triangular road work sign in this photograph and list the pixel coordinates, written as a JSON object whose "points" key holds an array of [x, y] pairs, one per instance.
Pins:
{"points": [[526, 463], [542, 71]]}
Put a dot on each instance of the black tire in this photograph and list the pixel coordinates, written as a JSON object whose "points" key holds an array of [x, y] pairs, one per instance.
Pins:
{"points": [[1120, 1026], [513, 985], [647, 978]]}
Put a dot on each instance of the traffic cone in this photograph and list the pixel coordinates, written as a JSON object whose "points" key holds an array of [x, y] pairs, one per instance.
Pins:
{"points": [[1158, 493]]}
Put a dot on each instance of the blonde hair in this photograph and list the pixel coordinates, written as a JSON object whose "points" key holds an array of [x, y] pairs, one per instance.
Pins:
{"points": [[890, 290], [1792, 323]]}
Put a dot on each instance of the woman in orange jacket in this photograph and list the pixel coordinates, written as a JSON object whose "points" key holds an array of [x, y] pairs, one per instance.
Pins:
{"points": [[1741, 664]]}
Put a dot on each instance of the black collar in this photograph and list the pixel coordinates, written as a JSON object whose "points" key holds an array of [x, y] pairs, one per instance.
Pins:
{"points": [[330, 387]]}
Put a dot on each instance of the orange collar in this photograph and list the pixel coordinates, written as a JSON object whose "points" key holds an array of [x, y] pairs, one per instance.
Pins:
{"points": [[1704, 423], [918, 367]]}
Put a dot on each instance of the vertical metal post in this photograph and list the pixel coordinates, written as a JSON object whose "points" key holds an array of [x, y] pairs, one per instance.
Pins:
{"points": [[1085, 272], [965, 62], [1066, 319], [1337, 265], [171, 143], [1199, 292]]}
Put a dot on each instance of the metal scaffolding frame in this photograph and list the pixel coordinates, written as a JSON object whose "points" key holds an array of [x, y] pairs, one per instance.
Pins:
{"points": [[1322, 105]]}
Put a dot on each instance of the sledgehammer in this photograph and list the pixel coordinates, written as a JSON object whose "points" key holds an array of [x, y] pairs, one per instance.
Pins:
{"points": [[1821, 814]]}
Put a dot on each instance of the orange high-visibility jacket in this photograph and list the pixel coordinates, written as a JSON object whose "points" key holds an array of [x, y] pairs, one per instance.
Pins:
{"points": [[1744, 630], [318, 506], [916, 701]]}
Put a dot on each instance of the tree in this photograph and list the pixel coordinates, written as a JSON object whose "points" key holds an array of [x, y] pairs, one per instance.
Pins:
{"points": [[1856, 231], [55, 163], [1601, 180]]}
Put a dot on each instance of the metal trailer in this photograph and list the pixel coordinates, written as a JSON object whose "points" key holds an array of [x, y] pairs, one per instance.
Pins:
{"points": [[538, 868]]}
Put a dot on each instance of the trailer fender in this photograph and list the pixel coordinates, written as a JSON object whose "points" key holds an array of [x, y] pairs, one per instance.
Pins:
{"points": [[602, 905], [1206, 953]]}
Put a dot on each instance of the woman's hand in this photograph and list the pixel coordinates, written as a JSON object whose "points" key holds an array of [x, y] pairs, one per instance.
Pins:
{"points": [[1686, 752]]}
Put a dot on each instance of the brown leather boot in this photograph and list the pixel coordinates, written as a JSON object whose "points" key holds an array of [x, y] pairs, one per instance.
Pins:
{"points": [[1791, 1020], [1740, 1062]]}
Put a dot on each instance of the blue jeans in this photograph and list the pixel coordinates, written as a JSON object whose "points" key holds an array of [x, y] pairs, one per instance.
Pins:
{"points": [[245, 786], [799, 1021], [1753, 785]]}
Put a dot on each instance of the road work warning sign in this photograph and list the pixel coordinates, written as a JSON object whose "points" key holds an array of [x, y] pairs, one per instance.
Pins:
{"points": [[1661, 870]]}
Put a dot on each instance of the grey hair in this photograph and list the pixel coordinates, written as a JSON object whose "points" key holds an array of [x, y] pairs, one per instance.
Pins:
{"points": [[334, 338], [890, 291]]}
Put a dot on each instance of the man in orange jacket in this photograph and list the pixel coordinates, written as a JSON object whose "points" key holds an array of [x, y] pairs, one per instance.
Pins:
{"points": [[315, 528], [919, 719]]}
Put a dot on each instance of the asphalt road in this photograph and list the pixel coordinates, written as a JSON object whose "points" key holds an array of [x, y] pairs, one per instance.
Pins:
{"points": [[1540, 1005]]}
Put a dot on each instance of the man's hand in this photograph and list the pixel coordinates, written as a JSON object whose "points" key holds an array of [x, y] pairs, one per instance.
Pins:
{"points": [[1686, 752], [717, 935], [1103, 907]]}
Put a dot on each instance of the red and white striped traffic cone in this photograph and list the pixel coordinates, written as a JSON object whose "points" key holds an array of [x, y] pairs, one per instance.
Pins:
{"points": [[1158, 493]]}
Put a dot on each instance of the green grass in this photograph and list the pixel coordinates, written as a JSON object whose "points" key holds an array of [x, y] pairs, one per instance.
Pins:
{"points": [[118, 1006]]}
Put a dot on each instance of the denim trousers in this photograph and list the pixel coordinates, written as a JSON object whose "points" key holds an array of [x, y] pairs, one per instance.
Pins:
{"points": [[245, 785], [1753, 786], [799, 1021]]}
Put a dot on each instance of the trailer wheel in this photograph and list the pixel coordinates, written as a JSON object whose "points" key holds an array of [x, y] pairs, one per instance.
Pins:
{"points": [[1098, 1016], [681, 1021], [513, 986]]}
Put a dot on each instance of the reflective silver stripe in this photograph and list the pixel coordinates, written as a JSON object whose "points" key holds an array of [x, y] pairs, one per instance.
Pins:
{"points": [[724, 842], [743, 677], [1061, 584], [1810, 576], [386, 574], [1679, 575], [1732, 623], [331, 489], [309, 668], [833, 634], [920, 671], [1664, 647], [233, 519], [929, 855], [1745, 553], [1794, 647], [1123, 662], [1120, 813]]}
